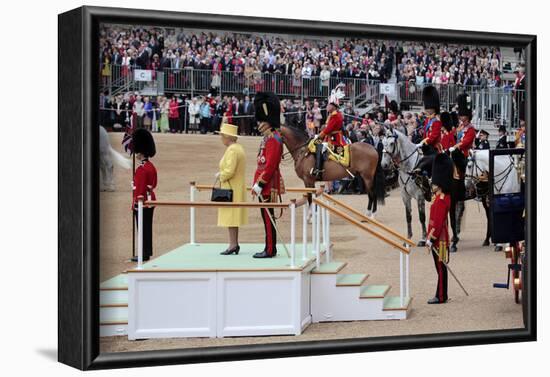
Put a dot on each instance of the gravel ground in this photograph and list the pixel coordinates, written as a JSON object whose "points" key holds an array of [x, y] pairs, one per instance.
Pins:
{"points": [[184, 158]]}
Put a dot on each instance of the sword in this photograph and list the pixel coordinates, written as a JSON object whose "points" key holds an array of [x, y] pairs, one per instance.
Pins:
{"points": [[452, 274], [458, 281], [279, 237]]}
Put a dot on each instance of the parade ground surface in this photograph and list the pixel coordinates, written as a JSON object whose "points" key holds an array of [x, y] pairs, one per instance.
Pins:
{"points": [[184, 158]]}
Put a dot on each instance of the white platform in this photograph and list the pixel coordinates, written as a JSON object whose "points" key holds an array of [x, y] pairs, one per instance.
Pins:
{"points": [[217, 304], [187, 293]]}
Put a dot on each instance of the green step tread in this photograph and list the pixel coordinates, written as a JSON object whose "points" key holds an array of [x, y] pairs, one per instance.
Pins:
{"points": [[118, 282], [374, 291], [114, 298], [329, 268], [351, 279], [394, 303]]}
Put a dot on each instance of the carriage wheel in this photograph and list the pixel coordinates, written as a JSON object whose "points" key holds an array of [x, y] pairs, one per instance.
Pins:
{"points": [[524, 287], [516, 282]]}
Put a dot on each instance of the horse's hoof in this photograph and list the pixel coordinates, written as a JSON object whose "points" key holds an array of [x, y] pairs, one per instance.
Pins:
{"points": [[498, 248], [453, 248], [421, 243], [485, 243]]}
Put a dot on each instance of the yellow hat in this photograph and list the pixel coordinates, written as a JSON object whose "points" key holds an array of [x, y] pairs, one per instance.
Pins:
{"points": [[229, 130]]}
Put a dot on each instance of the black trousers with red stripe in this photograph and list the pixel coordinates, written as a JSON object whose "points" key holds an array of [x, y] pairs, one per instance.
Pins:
{"points": [[442, 277], [147, 231], [269, 228]]}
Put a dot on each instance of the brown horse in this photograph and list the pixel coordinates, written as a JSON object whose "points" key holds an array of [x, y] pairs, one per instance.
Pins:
{"points": [[364, 160]]}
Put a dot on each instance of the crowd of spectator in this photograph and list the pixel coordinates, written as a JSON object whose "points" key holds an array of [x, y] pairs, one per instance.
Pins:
{"points": [[444, 64], [247, 54]]}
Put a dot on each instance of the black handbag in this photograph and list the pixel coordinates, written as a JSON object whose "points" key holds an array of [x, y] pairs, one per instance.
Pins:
{"points": [[221, 195]]}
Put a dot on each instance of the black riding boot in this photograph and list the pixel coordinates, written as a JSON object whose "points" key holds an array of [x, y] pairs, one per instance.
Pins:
{"points": [[318, 171]]}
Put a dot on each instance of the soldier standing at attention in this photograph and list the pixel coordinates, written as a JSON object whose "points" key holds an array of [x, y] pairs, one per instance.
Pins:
{"points": [[268, 182], [145, 181], [437, 241]]}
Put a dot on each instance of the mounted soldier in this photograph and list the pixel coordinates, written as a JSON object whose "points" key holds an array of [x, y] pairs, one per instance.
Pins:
{"points": [[431, 144], [331, 136]]}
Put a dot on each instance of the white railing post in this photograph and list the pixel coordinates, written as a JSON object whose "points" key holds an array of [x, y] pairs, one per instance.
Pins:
{"points": [[327, 232], [140, 233], [192, 192], [407, 277], [313, 224], [401, 279], [318, 236], [292, 232], [304, 230], [323, 226]]}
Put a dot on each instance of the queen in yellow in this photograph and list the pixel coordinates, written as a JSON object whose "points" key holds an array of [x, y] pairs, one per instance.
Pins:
{"points": [[232, 176]]}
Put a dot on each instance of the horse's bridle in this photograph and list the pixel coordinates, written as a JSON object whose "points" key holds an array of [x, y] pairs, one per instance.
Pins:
{"points": [[395, 160]]}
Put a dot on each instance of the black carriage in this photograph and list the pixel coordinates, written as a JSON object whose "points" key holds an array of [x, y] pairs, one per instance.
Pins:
{"points": [[507, 221]]}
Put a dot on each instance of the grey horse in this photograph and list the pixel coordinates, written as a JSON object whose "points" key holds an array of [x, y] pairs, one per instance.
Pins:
{"points": [[400, 151], [106, 156]]}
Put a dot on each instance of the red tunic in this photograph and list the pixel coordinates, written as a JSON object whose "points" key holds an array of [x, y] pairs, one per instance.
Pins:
{"points": [[467, 141], [448, 140], [269, 158], [332, 133], [437, 226], [145, 181], [432, 132]]}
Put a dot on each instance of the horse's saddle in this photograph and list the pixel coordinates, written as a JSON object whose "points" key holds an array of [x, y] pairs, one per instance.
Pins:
{"points": [[339, 154]]}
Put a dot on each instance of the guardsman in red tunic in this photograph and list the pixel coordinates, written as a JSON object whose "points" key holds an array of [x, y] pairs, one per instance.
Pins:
{"points": [[466, 130], [145, 182], [437, 241], [332, 134], [431, 144], [268, 182]]}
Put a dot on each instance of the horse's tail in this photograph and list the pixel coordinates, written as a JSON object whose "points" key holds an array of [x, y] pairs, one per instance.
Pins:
{"points": [[120, 160], [378, 189]]}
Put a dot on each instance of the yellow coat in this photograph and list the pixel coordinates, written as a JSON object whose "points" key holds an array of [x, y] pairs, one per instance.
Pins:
{"points": [[232, 176]]}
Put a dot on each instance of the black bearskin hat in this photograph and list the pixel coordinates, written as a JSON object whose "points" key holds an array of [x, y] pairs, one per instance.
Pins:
{"points": [[143, 142], [268, 108], [446, 121], [502, 129], [394, 107], [430, 97], [464, 107], [442, 172]]}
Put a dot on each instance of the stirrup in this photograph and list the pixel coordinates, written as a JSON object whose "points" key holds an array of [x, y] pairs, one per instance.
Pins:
{"points": [[317, 173]]}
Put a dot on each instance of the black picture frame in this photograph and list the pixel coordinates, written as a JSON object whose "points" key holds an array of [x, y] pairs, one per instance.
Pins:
{"points": [[78, 195]]}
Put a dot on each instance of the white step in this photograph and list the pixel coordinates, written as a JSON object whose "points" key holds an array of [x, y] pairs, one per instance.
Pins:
{"points": [[114, 328]]}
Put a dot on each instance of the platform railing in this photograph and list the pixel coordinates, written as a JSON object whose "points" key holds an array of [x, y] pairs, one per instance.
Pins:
{"points": [[404, 256], [192, 204]]}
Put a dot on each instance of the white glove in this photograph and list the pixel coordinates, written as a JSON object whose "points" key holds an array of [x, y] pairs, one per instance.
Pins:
{"points": [[452, 149], [428, 243], [419, 145], [257, 189]]}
